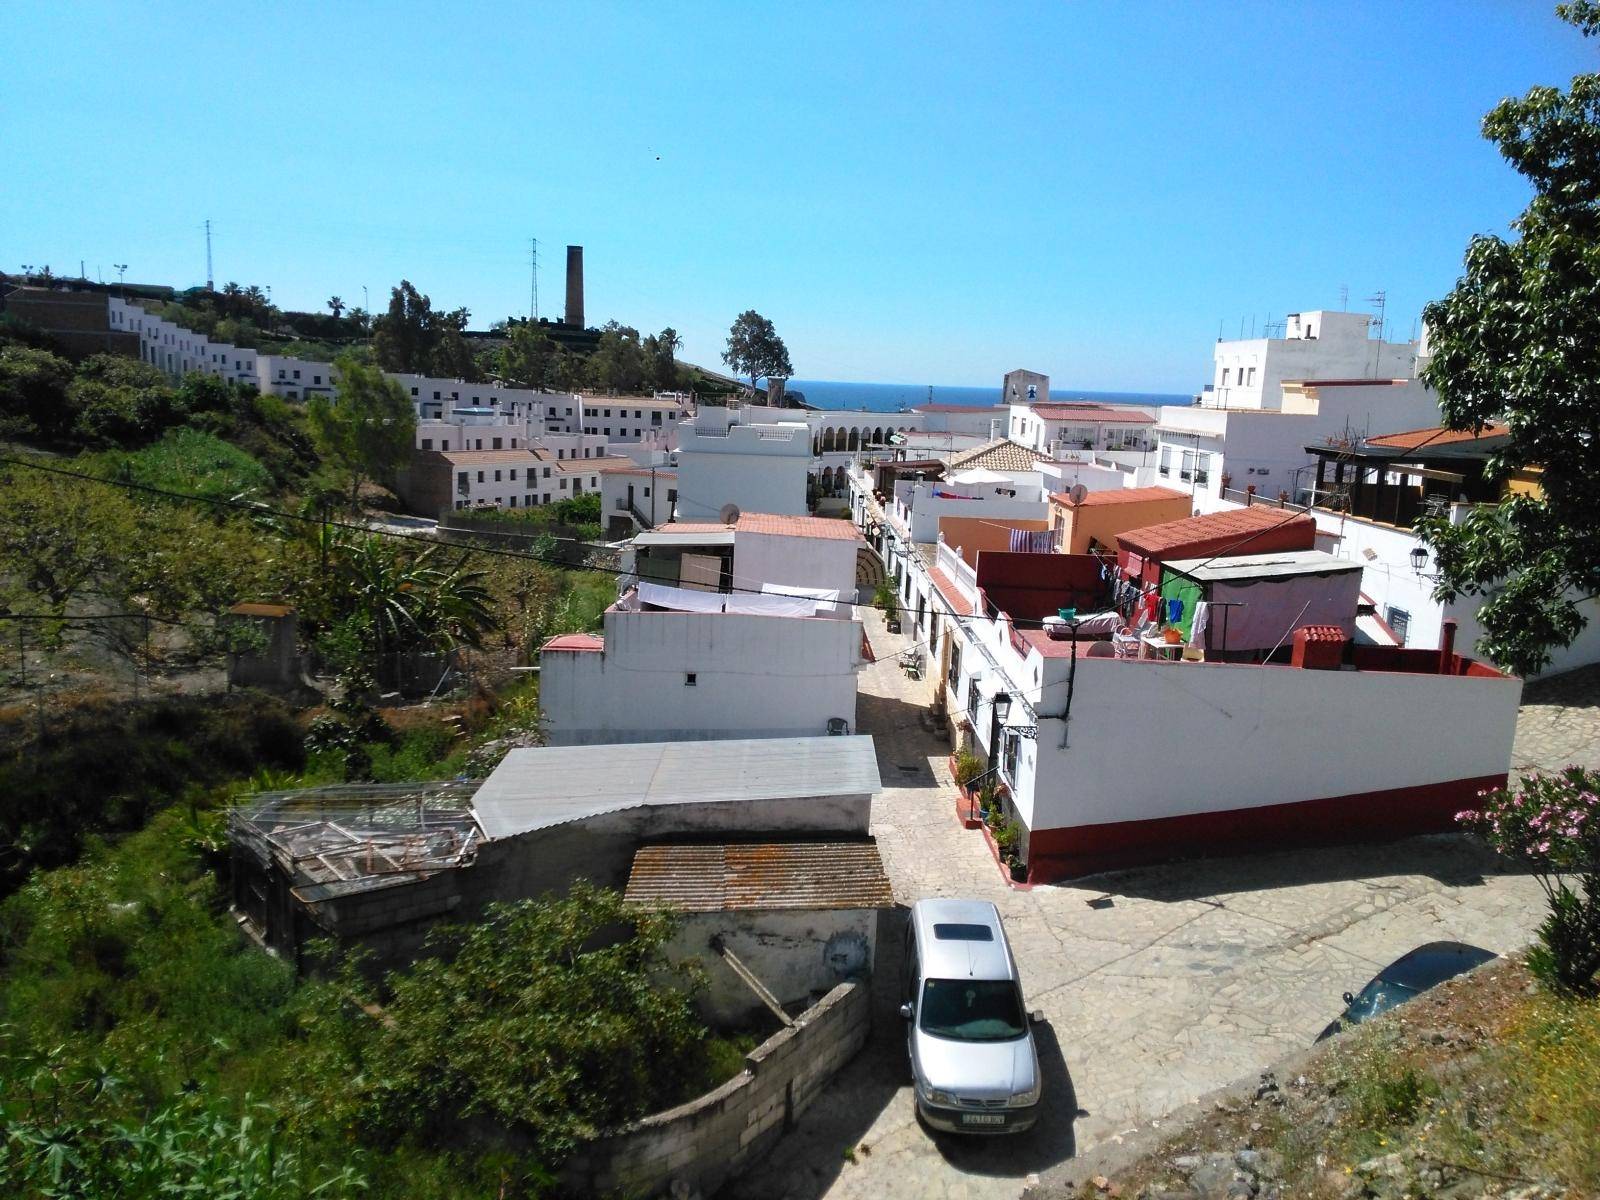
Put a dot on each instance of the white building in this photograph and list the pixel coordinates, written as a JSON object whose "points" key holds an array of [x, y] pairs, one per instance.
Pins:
{"points": [[1250, 373], [1119, 434], [722, 631], [1263, 450], [637, 497], [756, 467]]}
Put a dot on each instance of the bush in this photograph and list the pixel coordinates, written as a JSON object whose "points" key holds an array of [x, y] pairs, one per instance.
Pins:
{"points": [[968, 766], [1552, 823], [186, 460]]}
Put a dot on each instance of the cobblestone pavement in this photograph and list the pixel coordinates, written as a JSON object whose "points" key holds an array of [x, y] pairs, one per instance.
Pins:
{"points": [[1157, 985], [1560, 722]]}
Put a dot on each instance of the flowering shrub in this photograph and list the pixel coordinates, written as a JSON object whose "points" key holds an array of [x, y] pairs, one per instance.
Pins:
{"points": [[1552, 823]]}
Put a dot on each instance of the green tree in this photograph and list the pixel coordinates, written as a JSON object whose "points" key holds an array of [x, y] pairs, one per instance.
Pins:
{"points": [[579, 986], [367, 431], [119, 402], [755, 349], [1518, 341], [336, 305], [661, 351], [528, 357], [33, 393], [617, 363], [414, 338]]}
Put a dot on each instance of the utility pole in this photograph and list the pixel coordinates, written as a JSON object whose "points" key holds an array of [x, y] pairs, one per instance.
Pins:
{"points": [[121, 269], [210, 281], [533, 266]]}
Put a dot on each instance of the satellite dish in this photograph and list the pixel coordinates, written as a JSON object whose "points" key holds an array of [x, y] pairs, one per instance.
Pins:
{"points": [[729, 514], [1077, 493]]}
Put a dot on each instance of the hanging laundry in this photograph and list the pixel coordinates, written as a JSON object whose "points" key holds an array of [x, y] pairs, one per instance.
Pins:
{"points": [[1202, 618], [1174, 610]]}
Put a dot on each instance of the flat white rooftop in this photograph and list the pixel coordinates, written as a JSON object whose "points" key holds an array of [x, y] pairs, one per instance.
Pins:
{"points": [[551, 785]]}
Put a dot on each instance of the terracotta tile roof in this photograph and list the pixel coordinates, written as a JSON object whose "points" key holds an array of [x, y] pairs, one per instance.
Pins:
{"points": [[695, 527], [1417, 439], [609, 464], [575, 641], [467, 458], [1139, 495], [953, 596], [832, 528], [785, 875], [1186, 531], [1002, 454], [1100, 414]]}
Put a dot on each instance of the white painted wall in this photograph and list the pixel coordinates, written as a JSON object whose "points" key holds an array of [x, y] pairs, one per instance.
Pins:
{"points": [[1249, 373], [920, 510], [783, 560], [758, 468], [1221, 736], [755, 676]]}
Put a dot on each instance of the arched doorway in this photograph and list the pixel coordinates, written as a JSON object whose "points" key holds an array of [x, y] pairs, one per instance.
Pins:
{"points": [[855, 440]]}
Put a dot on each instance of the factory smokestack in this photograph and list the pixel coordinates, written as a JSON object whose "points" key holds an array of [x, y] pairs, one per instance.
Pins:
{"points": [[575, 286]]}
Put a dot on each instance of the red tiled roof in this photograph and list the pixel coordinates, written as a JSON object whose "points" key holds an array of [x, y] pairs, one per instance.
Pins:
{"points": [[1160, 540], [610, 463], [471, 457], [1139, 495], [959, 604], [785, 875], [695, 527], [1417, 439], [575, 641], [832, 528], [1101, 414]]}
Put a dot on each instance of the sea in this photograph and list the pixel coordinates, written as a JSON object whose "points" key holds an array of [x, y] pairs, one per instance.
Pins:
{"points": [[895, 397]]}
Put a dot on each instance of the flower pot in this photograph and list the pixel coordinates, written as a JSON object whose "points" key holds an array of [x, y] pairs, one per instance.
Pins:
{"points": [[1019, 870]]}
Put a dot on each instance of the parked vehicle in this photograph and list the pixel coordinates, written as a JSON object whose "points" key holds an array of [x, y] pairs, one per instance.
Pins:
{"points": [[973, 1059], [1406, 977]]}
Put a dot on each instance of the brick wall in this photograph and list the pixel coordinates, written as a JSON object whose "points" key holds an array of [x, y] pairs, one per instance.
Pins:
{"points": [[709, 1140]]}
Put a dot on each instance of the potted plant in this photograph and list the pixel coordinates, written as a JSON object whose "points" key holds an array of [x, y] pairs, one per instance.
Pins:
{"points": [[965, 766], [1018, 868], [986, 801]]}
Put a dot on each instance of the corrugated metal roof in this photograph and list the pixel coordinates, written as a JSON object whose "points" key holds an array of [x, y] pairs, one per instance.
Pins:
{"points": [[1281, 565], [782, 875], [551, 785]]}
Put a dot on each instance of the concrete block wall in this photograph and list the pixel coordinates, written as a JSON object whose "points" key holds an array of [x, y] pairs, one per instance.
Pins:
{"points": [[715, 1137]]}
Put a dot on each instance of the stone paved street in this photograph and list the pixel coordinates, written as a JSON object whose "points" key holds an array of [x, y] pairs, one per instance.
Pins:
{"points": [[1560, 722], [1175, 981]]}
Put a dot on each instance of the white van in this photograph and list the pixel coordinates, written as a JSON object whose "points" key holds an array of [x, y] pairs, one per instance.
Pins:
{"points": [[973, 1059]]}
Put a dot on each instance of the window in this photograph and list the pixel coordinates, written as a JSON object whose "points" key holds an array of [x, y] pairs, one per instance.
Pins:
{"points": [[561, 484], [955, 665], [461, 481], [497, 476], [655, 418], [414, 392], [513, 474], [1224, 376], [973, 700], [480, 476], [1008, 759], [436, 395], [513, 502], [547, 472], [1252, 376], [689, 679], [316, 379], [495, 444], [1400, 621], [427, 443], [297, 374]]}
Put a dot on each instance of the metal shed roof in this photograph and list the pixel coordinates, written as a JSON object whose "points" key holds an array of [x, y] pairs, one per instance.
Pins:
{"points": [[551, 785], [700, 536], [1282, 565], [774, 875]]}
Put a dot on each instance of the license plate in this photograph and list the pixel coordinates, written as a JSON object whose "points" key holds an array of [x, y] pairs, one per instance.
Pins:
{"points": [[983, 1118]]}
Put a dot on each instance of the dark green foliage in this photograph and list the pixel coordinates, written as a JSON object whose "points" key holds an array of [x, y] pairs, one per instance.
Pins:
{"points": [[33, 393], [119, 402], [413, 337], [755, 349], [104, 768], [1518, 341], [554, 1018], [367, 432]]}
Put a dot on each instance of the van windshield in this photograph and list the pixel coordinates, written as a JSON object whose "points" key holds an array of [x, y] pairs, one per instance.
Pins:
{"points": [[972, 1010]]}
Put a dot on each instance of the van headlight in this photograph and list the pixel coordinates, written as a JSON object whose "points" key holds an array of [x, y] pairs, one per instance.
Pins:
{"points": [[1027, 1098], [935, 1096]]}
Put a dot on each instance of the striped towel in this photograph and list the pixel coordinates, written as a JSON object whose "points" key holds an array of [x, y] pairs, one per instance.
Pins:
{"points": [[1032, 541]]}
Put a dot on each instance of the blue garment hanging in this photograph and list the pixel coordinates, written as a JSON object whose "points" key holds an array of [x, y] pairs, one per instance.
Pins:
{"points": [[1174, 610]]}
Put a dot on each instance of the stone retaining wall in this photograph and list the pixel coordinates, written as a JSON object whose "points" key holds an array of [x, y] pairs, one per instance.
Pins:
{"points": [[713, 1138]]}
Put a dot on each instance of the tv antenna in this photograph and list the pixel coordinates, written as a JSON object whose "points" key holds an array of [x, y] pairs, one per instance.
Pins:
{"points": [[1344, 297], [729, 514]]}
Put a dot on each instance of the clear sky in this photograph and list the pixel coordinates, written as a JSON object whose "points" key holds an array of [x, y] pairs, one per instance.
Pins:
{"points": [[913, 193]]}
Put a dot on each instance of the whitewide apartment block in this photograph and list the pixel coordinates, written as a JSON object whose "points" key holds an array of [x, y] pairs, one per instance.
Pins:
{"points": [[721, 631]]}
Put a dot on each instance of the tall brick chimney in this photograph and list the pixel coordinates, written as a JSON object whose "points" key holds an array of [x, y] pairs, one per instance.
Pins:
{"points": [[575, 286]]}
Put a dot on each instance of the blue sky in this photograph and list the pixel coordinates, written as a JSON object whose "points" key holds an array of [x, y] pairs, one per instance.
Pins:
{"points": [[929, 193]]}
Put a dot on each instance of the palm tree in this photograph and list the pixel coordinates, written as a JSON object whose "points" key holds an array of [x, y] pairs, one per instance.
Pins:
{"points": [[337, 305], [409, 602]]}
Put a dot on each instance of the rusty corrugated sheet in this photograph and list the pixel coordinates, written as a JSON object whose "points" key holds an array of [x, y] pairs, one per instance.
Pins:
{"points": [[774, 875]]}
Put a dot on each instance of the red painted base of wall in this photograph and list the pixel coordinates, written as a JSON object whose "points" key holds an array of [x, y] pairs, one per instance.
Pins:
{"points": [[1362, 817]]}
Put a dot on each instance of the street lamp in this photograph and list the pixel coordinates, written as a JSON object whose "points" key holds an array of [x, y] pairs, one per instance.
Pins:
{"points": [[121, 268], [1419, 558]]}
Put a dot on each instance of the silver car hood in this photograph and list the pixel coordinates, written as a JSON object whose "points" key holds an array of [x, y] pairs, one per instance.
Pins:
{"points": [[981, 1070]]}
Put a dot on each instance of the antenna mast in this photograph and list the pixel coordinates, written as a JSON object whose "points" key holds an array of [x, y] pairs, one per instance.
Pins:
{"points": [[533, 268], [210, 279]]}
